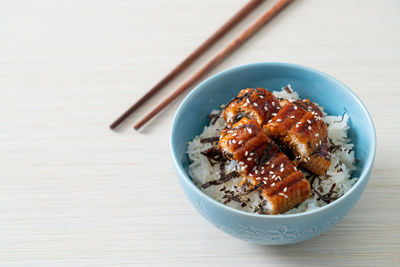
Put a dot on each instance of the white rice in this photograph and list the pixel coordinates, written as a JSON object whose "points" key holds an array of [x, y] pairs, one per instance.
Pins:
{"points": [[339, 173]]}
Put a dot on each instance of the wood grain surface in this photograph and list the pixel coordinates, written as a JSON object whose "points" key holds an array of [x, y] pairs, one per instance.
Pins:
{"points": [[75, 193]]}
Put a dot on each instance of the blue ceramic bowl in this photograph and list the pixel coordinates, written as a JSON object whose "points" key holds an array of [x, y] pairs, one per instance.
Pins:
{"points": [[309, 83]]}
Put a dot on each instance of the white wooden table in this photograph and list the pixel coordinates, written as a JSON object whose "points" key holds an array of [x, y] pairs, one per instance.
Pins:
{"points": [[73, 192]]}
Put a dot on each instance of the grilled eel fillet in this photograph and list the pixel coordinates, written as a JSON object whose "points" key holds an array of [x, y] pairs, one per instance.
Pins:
{"points": [[264, 166], [257, 104], [299, 127]]}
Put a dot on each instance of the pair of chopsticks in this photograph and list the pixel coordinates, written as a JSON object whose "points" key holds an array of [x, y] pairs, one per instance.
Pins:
{"points": [[244, 36]]}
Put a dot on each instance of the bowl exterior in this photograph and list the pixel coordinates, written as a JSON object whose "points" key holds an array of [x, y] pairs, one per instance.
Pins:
{"points": [[269, 231], [318, 87]]}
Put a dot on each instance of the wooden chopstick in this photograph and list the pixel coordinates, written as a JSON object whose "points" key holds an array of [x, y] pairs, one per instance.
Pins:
{"points": [[191, 58], [244, 36]]}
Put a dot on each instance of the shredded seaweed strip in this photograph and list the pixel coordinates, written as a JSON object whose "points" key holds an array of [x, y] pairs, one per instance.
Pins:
{"points": [[312, 176], [287, 89], [224, 177], [328, 196], [213, 155], [260, 208], [214, 117], [209, 139], [245, 192], [231, 197], [334, 147], [344, 113]]}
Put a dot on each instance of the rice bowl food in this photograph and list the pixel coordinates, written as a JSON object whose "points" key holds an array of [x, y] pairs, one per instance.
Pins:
{"points": [[282, 189]]}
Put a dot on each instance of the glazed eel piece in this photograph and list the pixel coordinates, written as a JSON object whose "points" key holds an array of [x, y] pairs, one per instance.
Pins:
{"points": [[299, 127], [296, 125], [258, 104], [264, 166]]}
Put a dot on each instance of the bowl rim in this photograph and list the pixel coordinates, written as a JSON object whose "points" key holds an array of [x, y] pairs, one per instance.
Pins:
{"points": [[364, 172]]}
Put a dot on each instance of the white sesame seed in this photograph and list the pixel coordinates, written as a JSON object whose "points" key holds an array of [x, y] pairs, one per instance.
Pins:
{"points": [[282, 169], [295, 107], [269, 121], [282, 194], [268, 162], [273, 165], [274, 114], [285, 189], [271, 172], [309, 128], [234, 141], [279, 178], [292, 117], [258, 178], [273, 176], [255, 104], [249, 130], [266, 109], [243, 168], [279, 120], [309, 121], [241, 162], [262, 172], [264, 182], [320, 142], [245, 104], [285, 196], [262, 97], [246, 153], [281, 165], [252, 153], [295, 168], [234, 134], [240, 142], [297, 125], [247, 100], [316, 135], [273, 184], [249, 159], [256, 171], [273, 103]]}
